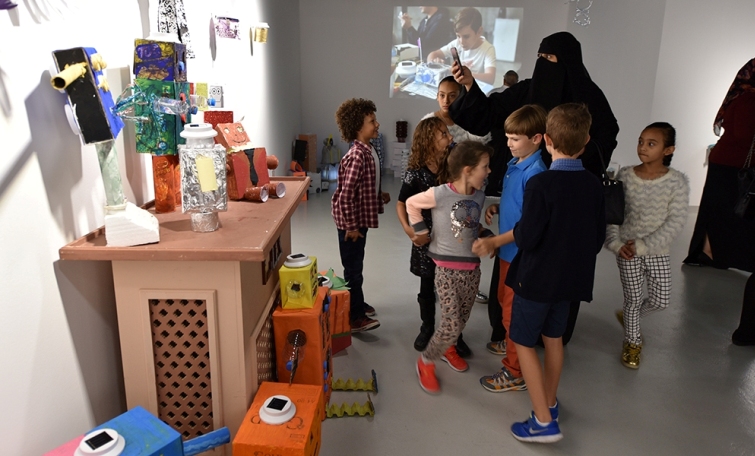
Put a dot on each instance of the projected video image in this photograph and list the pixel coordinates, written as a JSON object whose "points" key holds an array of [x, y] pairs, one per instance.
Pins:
{"points": [[423, 38]]}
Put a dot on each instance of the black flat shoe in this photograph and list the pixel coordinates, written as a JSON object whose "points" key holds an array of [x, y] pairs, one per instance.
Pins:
{"points": [[462, 349], [425, 334], [739, 339], [701, 259]]}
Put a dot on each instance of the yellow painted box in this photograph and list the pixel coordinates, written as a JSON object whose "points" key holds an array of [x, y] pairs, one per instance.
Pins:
{"points": [[299, 286]]}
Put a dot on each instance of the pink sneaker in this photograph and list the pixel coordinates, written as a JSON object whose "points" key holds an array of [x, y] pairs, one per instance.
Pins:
{"points": [[427, 379], [454, 360]]}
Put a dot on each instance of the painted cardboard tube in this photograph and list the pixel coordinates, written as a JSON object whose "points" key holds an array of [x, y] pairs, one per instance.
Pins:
{"points": [[256, 194], [71, 73], [277, 189]]}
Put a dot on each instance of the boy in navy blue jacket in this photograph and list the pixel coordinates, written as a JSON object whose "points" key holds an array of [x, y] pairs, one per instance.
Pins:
{"points": [[561, 231]]}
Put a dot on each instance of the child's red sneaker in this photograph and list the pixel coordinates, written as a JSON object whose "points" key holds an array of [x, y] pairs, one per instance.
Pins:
{"points": [[427, 379], [454, 360]]}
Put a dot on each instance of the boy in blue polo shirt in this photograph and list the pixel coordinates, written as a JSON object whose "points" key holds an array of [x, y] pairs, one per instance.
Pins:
{"points": [[561, 231], [524, 129]]}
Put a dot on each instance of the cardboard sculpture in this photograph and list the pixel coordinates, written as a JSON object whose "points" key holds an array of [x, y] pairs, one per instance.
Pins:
{"points": [[298, 282], [139, 433], [162, 135], [316, 368], [90, 112], [340, 309], [217, 117], [298, 436], [203, 177], [80, 75], [248, 176], [159, 60], [238, 178], [161, 75]]}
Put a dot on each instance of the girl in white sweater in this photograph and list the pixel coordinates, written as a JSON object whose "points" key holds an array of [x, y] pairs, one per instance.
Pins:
{"points": [[657, 199]]}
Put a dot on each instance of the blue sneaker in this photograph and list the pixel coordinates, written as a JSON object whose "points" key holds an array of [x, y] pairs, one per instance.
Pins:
{"points": [[530, 431], [554, 411]]}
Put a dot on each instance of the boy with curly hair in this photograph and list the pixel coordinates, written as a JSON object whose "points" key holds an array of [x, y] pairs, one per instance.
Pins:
{"points": [[357, 201]]}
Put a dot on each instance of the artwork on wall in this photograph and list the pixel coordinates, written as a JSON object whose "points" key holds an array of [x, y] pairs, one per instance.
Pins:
{"points": [[171, 18]]}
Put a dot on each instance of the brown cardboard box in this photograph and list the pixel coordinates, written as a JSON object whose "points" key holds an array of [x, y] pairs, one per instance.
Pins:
{"points": [[310, 163]]}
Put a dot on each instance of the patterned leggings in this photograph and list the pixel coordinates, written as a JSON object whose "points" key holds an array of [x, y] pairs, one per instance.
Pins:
{"points": [[655, 270], [456, 290]]}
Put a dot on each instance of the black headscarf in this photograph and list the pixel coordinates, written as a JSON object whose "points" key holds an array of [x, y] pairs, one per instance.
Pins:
{"points": [[554, 83]]}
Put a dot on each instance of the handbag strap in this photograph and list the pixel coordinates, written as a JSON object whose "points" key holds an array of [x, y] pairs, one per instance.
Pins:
{"points": [[606, 180]]}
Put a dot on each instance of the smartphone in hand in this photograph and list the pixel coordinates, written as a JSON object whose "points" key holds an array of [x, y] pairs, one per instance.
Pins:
{"points": [[455, 55]]}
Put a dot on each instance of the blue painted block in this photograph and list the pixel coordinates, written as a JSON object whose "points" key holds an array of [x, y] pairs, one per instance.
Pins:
{"points": [[145, 434]]}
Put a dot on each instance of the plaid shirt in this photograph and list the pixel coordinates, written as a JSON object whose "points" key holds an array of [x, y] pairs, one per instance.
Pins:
{"points": [[355, 202]]}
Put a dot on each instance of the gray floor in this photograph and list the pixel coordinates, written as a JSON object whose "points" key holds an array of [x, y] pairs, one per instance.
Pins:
{"points": [[693, 394]]}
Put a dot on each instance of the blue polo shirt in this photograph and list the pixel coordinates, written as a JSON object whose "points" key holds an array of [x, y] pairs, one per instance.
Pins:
{"points": [[512, 197]]}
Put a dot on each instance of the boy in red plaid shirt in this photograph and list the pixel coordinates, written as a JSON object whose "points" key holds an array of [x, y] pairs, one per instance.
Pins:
{"points": [[357, 201]]}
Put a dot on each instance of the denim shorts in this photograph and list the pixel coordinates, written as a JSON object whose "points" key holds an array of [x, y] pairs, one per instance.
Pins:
{"points": [[529, 319]]}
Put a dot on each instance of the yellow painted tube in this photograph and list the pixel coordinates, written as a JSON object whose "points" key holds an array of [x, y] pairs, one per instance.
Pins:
{"points": [[71, 73]]}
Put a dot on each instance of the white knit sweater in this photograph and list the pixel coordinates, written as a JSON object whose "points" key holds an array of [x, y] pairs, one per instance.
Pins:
{"points": [[654, 214]]}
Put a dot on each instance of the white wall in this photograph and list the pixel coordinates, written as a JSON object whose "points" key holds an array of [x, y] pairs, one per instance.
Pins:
{"points": [[703, 46], [59, 348]]}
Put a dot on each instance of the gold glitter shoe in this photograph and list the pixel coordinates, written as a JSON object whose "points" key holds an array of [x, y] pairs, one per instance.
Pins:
{"points": [[630, 355]]}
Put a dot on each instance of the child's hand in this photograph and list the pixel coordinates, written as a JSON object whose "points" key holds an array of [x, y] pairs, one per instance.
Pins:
{"points": [[421, 239], [627, 251], [483, 246], [353, 235], [386, 197], [492, 210]]}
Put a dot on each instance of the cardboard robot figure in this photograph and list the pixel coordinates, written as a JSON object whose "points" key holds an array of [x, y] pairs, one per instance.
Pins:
{"points": [[89, 111]]}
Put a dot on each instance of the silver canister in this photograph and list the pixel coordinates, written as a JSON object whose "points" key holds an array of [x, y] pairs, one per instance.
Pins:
{"points": [[203, 179]]}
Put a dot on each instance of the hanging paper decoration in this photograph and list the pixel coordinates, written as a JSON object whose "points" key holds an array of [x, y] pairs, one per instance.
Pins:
{"points": [[582, 15], [227, 27], [171, 18]]}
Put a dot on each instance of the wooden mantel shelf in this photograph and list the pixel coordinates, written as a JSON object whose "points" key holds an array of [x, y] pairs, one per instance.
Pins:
{"points": [[247, 231]]}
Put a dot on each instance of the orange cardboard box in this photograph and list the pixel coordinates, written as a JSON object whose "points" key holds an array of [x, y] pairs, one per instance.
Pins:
{"points": [[300, 436], [340, 327], [237, 177], [315, 366]]}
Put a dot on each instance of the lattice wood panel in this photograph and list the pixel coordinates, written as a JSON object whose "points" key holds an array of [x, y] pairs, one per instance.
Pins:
{"points": [[182, 364], [266, 352]]}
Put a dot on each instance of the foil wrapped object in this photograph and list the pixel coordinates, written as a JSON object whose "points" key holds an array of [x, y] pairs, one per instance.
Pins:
{"points": [[198, 194]]}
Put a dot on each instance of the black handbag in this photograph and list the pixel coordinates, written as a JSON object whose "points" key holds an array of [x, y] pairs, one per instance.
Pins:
{"points": [[613, 194], [745, 207]]}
